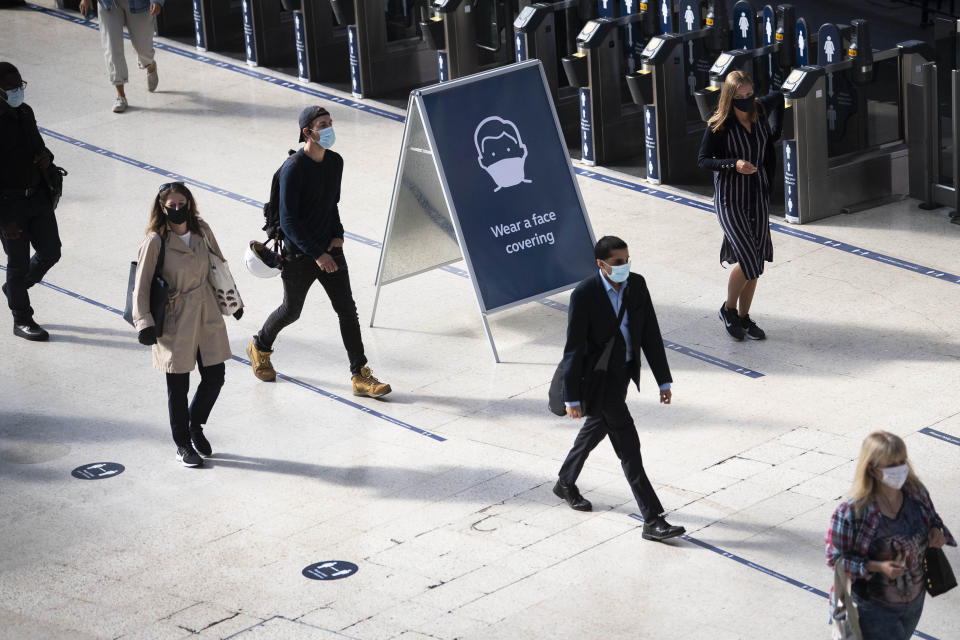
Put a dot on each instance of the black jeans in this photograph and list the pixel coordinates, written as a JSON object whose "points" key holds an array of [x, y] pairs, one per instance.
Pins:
{"points": [[184, 419], [298, 276], [39, 228], [614, 419]]}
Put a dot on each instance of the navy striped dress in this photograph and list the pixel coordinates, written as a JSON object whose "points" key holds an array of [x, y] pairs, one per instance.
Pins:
{"points": [[742, 202]]}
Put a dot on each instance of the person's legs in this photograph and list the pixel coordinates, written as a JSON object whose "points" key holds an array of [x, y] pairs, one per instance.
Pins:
{"points": [[911, 617], [45, 238], [178, 384], [746, 296], [141, 27], [590, 435], [298, 277], [878, 622], [735, 285], [211, 381], [337, 286], [18, 259], [111, 38]]}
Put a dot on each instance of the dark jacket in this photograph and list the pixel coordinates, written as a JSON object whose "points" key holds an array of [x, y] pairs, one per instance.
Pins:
{"points": [[20, 145], [592, 322], [309, 193], [713, 149]]}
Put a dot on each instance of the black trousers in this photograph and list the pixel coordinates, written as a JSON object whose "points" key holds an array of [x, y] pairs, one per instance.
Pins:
{"points": [[298, 276], [39, 228], [183, 418], [613, 419]]}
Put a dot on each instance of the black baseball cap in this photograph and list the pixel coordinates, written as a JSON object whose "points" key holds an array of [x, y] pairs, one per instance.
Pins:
{"points": [[308, 115]]}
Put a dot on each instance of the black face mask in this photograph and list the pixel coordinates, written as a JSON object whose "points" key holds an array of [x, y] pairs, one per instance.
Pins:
{"points": [[177, 216], [744, 104]]}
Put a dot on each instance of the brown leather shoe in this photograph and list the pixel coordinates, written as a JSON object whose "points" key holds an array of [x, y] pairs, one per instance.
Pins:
{"points": [[260, 360]]}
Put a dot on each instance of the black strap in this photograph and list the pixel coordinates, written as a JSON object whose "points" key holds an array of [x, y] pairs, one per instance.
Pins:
{"points": [[159, 268]]}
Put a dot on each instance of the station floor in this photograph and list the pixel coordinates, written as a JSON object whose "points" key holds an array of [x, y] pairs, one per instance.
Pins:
{"points": [[440, 494]]}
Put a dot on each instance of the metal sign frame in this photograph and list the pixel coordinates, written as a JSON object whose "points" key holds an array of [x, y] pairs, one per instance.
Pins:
{"points": [[417, 114]]}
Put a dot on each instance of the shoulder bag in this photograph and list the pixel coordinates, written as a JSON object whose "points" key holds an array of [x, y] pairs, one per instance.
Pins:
{"points": [[843, 613], [224, 286], [592, 381], [159, 292], [937, 572]]}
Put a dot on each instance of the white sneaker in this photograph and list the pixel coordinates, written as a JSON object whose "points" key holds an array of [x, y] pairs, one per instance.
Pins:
{"points": [[152, 79], [120, 105]]}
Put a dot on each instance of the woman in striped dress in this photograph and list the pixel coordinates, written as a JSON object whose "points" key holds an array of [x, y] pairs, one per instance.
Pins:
{"points": [[738, 147]]}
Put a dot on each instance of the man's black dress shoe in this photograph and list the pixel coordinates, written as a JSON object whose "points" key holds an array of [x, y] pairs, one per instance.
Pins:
{"points": [[572, 496], [660, 530], [30, 330]]}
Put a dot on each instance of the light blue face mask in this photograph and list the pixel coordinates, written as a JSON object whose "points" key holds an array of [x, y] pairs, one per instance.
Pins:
{"points": [[619, 273], [325, 137], [15, 97]]}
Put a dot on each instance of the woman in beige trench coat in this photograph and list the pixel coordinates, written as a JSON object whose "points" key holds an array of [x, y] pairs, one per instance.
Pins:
{"points": [[193, 328]]}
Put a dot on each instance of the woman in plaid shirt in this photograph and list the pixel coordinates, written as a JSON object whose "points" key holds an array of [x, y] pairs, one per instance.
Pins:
{"points": [[880, 535]]}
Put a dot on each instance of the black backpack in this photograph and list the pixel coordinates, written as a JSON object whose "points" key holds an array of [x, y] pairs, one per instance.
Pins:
{"points": [[271, 210]]}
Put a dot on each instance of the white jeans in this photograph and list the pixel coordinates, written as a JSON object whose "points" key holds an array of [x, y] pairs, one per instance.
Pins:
{"points": [[140, 27]]}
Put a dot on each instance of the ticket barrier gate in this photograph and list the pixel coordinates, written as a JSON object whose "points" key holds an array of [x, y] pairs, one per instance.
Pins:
{"points": [[388, 52], [539, 34], [217, 24], [934, 161], [665, 87], [611, 124], [845, 154], [781, 53], [177, 22], [268, 33], [321, 43], [470, 36]]}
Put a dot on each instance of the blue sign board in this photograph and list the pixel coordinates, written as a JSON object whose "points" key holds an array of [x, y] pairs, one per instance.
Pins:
{"points": [[650, 139], [743, 37], [586, 127], [509, 185], [300, 32], [630, 36], [803, 43], [689, 16], [841, 96], [98, 471], [198, 25], [353, 51], [768, 29], [443, 66], [329, 570], [696, 63], [520, 46], [666, 15], [791, 200], [605, 8], [249, 38]]}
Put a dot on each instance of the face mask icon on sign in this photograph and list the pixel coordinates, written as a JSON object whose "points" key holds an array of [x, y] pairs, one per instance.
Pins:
{"points": [[500, 151]]}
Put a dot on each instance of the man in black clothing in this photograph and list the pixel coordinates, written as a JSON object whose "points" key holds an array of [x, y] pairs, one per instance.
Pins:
{"points": [[313, 251], [26, 211], [595, 305]]}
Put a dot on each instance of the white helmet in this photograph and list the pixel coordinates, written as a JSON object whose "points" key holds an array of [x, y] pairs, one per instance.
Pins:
{"points": [[261, 261]]}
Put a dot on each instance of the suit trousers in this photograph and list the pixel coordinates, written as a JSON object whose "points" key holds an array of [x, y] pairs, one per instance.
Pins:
{"points": [[613, 419]]}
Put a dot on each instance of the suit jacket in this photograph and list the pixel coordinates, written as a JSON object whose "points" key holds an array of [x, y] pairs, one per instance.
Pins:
{"points": [[592, 322]]}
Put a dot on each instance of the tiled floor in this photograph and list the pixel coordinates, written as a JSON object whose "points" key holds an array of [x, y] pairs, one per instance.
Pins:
{"points": [[457, 536]]}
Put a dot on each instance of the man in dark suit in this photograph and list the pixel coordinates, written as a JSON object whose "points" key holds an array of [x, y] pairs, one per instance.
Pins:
{"points": [[594, 307]]}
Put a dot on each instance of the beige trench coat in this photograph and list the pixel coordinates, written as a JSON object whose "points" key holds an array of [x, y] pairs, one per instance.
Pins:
{"points": [[193, 321]]}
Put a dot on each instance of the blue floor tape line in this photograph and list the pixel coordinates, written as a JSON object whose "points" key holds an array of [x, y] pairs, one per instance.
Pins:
{"points": [[940, 435], [170, 175], [299, 383], [764, 570], [624, 184]]}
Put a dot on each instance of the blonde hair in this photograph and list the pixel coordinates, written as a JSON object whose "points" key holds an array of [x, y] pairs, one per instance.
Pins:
{"points": [[732, 84], [879, 449]]}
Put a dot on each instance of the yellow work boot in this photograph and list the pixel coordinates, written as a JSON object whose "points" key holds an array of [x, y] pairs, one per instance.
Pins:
{"points": [[366, 385], [261, 363]]}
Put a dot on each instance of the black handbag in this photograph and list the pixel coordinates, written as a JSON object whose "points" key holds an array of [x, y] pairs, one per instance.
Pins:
{"points": [[592, 382], [53, 177], [937, 572], [159, 292]]}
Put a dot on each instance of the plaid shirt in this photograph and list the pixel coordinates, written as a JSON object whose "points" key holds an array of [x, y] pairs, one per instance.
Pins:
{"points": [[849, 537]]}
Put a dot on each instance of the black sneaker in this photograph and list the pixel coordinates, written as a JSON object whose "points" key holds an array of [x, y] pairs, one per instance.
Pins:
{"points": [[753, 331], [189, 457], [200, 443], [731, 321]]}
